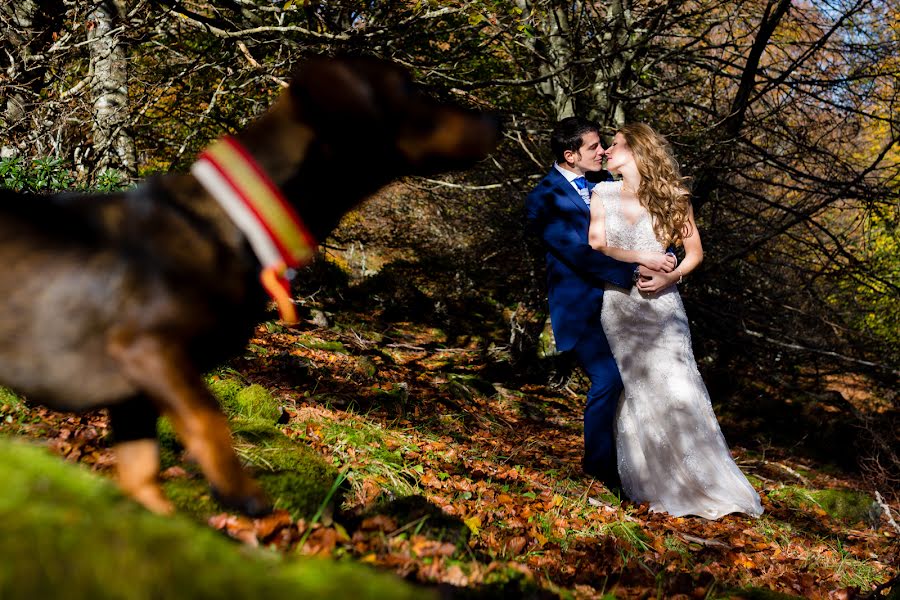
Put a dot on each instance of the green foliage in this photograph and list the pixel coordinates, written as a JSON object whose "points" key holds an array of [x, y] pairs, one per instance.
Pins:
{"points": [[67, 533], [875, 291], [110, 180], [38, 175], [53, 175]]}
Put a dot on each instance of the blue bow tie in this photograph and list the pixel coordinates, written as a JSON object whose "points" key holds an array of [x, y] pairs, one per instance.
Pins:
{"points": [[581, 183]]}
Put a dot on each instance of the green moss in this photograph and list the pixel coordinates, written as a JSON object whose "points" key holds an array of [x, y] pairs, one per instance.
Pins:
{"points": [[847, 505], [250, 401], [170, 447], [8, 398], [226, 391], [465, 387], [330, 347], [255, 431], [296, 478], [300, 492], [368, 367], [193, 498], [317, 344], [255, 402], [67, 533]]}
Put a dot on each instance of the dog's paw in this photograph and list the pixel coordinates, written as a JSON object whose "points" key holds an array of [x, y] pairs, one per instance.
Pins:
{"points": [[253, 505]]}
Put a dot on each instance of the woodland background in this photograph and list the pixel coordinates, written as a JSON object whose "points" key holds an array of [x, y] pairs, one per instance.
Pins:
{"points": [[786, 114]]}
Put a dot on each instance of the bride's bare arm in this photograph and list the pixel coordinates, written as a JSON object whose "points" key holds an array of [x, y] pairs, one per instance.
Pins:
{"points": [[693, 256], [656, 261]]}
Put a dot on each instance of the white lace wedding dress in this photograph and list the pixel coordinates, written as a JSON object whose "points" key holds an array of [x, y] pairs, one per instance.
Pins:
{"points": [[671, 452]]}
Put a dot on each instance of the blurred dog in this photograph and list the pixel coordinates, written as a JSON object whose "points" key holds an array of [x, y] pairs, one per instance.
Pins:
{"points": [[124, 300]]}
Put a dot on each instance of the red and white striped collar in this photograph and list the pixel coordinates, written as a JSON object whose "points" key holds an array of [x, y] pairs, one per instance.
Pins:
{"points": [[278, 237]]}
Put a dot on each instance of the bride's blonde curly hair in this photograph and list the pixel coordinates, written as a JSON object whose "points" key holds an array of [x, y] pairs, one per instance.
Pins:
{"points": [[663, 191]]}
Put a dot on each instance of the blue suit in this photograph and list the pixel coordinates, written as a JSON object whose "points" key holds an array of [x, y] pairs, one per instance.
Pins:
{"points": [[575, 277]]}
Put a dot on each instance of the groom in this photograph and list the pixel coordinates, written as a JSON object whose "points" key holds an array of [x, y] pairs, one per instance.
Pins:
{"points": [[558, 211]]}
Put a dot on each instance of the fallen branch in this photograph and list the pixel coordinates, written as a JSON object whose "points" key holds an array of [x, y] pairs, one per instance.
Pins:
{"points": [[788, 470], [703, 541], [887, 511]]}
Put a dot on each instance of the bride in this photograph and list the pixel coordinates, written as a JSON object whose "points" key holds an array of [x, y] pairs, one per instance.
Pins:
{"points": [[671, 452]]}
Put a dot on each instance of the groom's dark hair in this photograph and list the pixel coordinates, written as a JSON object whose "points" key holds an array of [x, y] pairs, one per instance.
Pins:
{"points": [[567, 135]]}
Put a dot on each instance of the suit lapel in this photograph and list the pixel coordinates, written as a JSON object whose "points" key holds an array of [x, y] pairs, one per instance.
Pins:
{"points": [[565, 189]]}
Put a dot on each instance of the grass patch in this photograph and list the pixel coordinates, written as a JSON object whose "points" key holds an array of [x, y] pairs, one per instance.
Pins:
{"points": [[14, 410], [850, 570], [374, 454], [629, 533]]}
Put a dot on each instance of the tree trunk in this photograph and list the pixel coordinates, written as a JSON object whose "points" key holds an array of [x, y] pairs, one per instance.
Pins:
{"points": [[26, 30], [553, 54], [113, 144], [610, 79]]}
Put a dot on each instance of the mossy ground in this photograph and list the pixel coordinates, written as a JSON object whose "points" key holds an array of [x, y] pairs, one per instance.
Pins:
{"points": [[456, 475], [67, 533]]}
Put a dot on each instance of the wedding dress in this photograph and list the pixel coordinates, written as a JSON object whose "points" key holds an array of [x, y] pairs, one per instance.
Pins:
{"points": [[671, 452]]}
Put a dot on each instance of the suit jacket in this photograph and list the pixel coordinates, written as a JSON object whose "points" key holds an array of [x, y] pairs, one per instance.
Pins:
{"points": [[575, 271]]}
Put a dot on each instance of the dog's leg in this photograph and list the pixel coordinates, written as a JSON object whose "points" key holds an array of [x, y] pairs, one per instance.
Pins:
{"points": [[137, 452], [138, 474], [164, 371]]}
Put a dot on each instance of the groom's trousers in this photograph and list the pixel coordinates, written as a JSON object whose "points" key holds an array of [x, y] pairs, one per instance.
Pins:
{"points": [[596, 359]]}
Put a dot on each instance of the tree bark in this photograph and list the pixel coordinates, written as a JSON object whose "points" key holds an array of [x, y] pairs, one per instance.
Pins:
{"points": [[606, 90], [113, 144], [553, 54], [26, 27]]}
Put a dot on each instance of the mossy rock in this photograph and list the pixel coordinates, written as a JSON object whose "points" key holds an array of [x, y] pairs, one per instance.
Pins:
{"points": [[296, 478], [226, 391], [249, 401], [193, 498], [849, 506], [67, 533]]}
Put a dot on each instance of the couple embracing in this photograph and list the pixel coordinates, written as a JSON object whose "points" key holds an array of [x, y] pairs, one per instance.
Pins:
{"points": [[612, 282]]}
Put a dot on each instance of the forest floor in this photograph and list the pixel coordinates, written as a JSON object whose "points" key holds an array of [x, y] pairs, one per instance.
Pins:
{"points": [[449, 474]]}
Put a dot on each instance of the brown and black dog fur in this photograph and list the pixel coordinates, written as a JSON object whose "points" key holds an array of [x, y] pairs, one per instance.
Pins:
{"points": [[124, 300]]}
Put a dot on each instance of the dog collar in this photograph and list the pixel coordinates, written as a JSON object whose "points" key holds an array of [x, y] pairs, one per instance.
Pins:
{"points": [[277, 235]]}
